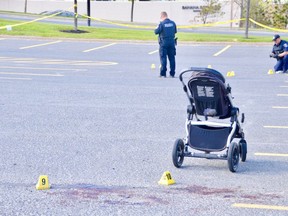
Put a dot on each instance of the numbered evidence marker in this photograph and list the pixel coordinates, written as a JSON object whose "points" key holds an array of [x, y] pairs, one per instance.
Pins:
{"points": [[43, 183], [166, 179]]}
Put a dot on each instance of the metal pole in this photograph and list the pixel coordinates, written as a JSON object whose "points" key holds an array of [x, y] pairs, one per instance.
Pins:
{"points": [[88, 13], [231, 15], [75, 16], [247, 19], [25, 7]]}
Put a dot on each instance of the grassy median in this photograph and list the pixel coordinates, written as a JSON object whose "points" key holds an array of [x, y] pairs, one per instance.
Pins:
{"points": [[65, 31]]}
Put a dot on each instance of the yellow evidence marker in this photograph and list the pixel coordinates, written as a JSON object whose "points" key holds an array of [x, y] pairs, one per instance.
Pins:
{"points": [[43, 183], [166, 179]]}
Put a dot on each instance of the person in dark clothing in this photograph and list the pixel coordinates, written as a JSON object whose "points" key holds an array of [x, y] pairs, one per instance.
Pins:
{"points": [[280, 52], [167, 43]]}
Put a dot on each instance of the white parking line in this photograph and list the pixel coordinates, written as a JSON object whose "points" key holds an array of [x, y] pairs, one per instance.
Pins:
{"points": [[276, 127], [271, 154], [38, 45], [155, 51], [280, 107], [8, 78], [101, 47], [282, 95], [2, 38], [31, 74], [255, 206], [42, 68], [223, 50]]}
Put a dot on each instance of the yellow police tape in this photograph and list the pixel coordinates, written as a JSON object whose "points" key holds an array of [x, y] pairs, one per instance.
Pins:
{"points": [[267, 27], [153, 27], [35, 20], [145, 26]]}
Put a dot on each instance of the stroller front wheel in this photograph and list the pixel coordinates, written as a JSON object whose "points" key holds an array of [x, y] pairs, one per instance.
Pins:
{"points": [[243, 149], [178, 153], [233, 157]]}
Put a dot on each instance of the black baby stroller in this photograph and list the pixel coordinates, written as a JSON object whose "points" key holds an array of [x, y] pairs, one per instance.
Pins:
{"points": [[209, 96]]}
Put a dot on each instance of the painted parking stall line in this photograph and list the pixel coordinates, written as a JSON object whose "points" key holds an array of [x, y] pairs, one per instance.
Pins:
{"points": [[39, 45], [10, 78], [255, 206], [222, 50], [270, 154], [280, 107], [152, 52], [42, 68], [275, 127], [282, 95], [101, 47], [31, 74]]}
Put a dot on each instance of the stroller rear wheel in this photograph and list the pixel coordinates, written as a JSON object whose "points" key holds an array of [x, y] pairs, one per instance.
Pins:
{"points": [[178, 153], [243, 149], [233, 157]]}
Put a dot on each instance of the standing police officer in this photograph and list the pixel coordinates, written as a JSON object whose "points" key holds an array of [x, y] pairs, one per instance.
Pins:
{"points": [[167, 42], [280, 52]]}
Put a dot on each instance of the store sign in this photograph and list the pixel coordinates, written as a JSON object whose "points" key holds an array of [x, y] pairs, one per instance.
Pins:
{"points": [[194, 8]]}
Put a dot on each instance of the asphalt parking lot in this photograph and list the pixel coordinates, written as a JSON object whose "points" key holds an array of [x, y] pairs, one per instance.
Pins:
{"points": [[95, 118]]}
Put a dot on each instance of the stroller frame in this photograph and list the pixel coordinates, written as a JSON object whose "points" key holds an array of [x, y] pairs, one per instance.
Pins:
{"points": [[209, 96]]}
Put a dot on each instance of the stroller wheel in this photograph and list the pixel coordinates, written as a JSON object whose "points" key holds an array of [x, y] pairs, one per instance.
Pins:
{"points": [[243, 149], [233, 157], [178, 153]]}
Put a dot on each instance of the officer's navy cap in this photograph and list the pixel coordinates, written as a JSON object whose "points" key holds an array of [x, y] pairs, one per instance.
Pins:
{"points": [[275, 37]]}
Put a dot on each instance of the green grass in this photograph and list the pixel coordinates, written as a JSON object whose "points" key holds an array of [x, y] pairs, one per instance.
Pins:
{"points": [[55, 30]]}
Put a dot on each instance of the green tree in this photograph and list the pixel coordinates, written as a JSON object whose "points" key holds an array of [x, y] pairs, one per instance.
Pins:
{"points": [[211, 7], [280, 17]]}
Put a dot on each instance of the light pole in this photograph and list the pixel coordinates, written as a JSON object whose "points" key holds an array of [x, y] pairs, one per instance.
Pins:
{"points": [[231, 15], [25, 7], [75, 16], [88, 12]]}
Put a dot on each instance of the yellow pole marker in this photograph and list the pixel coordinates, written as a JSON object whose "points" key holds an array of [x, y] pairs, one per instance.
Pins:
{"points": [[153, 66], [221, 51], [270, 72], [43, 183], [166, 179], [38, 45], [209, 66], [255, 206], [271, 154]]}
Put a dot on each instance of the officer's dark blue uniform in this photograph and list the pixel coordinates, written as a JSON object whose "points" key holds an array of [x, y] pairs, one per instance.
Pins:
{"points": [[166, 31], [278, 48]]}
